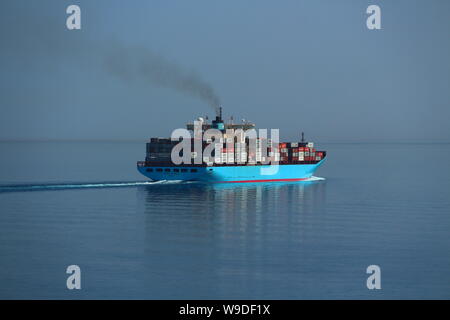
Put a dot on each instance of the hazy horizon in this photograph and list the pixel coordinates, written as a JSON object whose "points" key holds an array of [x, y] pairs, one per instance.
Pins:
{"points": [[144, 68]]}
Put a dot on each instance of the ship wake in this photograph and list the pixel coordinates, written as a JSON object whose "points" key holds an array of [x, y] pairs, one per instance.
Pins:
{"points": [[79, 185]]}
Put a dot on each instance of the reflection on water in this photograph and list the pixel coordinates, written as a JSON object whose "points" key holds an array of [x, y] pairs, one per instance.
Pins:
{"points": [[241, 206], [234, 238], [256, 196]]}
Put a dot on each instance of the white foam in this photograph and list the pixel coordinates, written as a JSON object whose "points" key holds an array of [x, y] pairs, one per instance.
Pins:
{"points": [[89, 185], [313, 178]]}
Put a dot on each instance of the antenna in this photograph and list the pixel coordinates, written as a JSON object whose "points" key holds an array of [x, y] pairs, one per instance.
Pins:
{"points": [[303, 137]]}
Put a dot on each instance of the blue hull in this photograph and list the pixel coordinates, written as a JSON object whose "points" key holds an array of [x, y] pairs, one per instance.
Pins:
{"points": [[261, 173]]}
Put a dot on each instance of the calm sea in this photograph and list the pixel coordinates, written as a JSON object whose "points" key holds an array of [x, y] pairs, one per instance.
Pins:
{"points": [[84, 203]]}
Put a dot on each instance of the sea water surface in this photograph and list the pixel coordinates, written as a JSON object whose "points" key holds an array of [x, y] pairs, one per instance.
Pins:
{"points": [[84, 203]]}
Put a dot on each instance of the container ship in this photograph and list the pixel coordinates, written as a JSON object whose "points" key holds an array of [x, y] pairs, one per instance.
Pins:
{"points": [[236, 157]]}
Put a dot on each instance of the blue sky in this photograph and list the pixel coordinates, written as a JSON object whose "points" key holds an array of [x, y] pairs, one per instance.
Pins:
{"points": [[308, 66]]}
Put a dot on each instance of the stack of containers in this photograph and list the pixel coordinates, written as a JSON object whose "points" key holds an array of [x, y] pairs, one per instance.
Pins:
{"points": [[240, 152], [312, 154], [206, 159], [270, 150], [284, 153], [319, 156], [218, 152], [276, 155], [273, 151], [159, 149], [307, 153], [223, 156], [251, 152], [258, 150], [301, 153], [312, 151], [297, 154], [230, 150], [294, 151]]}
